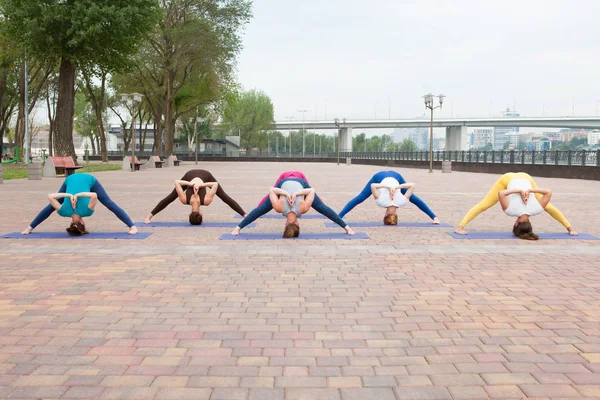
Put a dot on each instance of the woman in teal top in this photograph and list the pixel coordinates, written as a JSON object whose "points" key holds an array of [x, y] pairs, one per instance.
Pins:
{"points": [[83, 192]]}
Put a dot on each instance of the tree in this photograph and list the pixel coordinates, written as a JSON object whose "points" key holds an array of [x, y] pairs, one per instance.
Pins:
{"points": [[194, 47], [85, 119], [250, 113], [88, 35], [407, 145]]}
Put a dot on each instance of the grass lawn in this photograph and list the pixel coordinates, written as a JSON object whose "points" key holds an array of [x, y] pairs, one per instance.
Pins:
{"points": [[20, 171]]}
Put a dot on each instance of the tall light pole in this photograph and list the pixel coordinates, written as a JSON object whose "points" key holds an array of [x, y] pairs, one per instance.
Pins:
{"points": [[136, 98], [303, 141], [290, 135], [196, 134], [429, 104]]}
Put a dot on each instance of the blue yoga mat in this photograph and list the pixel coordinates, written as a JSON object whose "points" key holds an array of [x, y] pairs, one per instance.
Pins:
{"points": [[304, 236], [65, 235], [509, 235], [180, 224], [278, 216], [379, 223]]}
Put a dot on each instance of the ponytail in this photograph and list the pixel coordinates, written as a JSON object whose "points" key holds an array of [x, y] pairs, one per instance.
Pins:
{"points": [[529, 236]]}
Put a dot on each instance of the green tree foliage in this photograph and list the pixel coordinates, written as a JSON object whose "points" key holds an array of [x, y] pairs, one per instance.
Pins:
{"points": [[89, 35], [85, 119], [407, 145], [248, 114]]}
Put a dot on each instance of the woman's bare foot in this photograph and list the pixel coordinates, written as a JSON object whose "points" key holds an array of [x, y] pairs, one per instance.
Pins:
{"points": [[349, 231], [27, 231], [436, 221], [572, 231], [148, 219], [236, 231], [460, 230], [133, 230]]}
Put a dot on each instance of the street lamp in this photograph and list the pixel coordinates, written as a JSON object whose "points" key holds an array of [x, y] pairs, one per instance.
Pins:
{"points": [[429, 104], [290, 135], [136, 98], [303, 142]]}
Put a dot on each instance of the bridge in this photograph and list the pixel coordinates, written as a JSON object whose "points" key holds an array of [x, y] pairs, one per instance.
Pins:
{"points": [[456, 128]]}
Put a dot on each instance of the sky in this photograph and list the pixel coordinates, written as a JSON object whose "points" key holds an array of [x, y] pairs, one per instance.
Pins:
{"points": [[375, 59]]}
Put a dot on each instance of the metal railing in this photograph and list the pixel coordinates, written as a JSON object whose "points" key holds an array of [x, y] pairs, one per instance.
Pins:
{"points": [[557, 157], [552, 157]]}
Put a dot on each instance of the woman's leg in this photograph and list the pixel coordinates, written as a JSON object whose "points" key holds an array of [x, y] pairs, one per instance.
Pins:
{"points": [[48, 210], [489, 200], [364, 194], [550, 209], [256, 213], [111, 205], [321, 208]]}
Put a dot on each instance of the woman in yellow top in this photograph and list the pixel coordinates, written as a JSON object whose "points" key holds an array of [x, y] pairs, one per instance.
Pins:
{"points": [[515, 191]]}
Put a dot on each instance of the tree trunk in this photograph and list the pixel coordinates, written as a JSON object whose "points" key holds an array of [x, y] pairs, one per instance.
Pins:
{"points": [[169, 131], [126, 138], [20, 128], [93, 145], [157, 149], [98, 104], [144, 136], [65, 110], [50, 123], [97, 143]]}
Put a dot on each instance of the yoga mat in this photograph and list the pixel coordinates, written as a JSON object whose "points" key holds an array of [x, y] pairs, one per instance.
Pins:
{"points": [[509, 235], [180, 224], [304, 236], [379, 223], [65, 235], [277, 216]]}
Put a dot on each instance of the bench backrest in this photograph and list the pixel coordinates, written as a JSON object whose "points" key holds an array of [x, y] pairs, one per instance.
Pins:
{"points": [[174, 157], [63, 161], [136, 160], [155, 159]]}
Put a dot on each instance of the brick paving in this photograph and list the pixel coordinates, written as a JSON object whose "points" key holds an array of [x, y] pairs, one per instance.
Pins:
{"points": [[410, 313]]}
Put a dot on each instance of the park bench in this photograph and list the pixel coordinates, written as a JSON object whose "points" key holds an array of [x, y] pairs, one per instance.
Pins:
{"points": [[175, 160], [63, 165], [138, 164], [156, 160]]}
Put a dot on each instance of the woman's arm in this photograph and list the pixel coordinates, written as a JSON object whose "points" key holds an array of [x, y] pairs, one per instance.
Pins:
{"points": [[307, 202], [53, 197], [410, 188], [375, 189], [276, 200], [179, 188], [503, 197], [208, 198], [92, 196], [546, 195]]}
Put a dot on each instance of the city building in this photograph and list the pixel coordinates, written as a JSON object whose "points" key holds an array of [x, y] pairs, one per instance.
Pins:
{"points": [[593, 138], [500, 137], [482, 137]]}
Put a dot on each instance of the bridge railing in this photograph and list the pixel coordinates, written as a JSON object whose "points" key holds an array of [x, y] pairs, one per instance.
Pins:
{"points": [[550, 157]]}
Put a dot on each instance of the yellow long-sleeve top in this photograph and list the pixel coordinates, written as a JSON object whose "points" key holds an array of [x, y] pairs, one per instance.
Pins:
{"points": [[501, 184]]}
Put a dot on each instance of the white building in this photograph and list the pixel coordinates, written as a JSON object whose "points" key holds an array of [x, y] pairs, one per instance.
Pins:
{"points": [[482, 136], [500, 137], [594, 138]]}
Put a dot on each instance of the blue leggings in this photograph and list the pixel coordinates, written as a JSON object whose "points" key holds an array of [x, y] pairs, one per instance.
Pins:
{"points": [[102, 198], [377, 178], [317, 204]]}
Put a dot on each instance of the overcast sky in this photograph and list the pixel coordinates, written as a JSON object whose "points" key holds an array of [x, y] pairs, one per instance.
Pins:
{"points": [[363, 59]]}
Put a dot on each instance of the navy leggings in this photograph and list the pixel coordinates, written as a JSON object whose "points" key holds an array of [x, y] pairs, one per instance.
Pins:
{"points": [[317, 204], [377, 178], [102, 198]]}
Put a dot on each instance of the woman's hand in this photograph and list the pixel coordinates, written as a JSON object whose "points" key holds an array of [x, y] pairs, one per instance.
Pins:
{"points": [[525, 196], [73, 201]]}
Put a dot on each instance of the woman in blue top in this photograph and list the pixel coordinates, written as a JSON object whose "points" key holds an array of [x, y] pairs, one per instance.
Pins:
{"points": [[83, 192], [393, 181]]}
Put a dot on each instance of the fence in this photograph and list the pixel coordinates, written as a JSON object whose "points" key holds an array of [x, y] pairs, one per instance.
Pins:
{"points": [[570, 157]]}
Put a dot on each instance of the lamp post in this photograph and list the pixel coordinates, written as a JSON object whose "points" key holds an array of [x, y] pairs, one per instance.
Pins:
{"points": [[290, 135], [303, 141], [429, 104], [196, 134], [136, 98]]}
